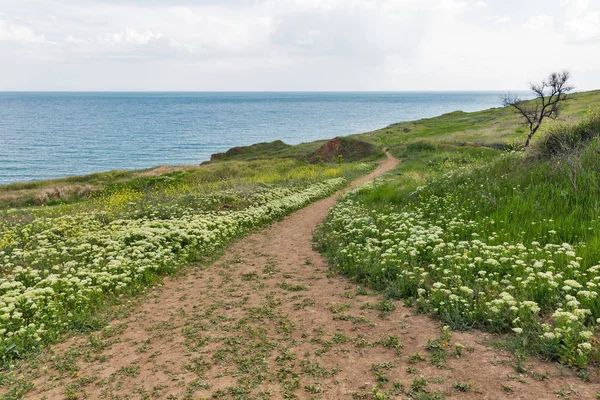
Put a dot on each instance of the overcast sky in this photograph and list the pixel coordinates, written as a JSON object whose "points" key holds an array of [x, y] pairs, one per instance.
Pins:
{"points": [[296, 44]]}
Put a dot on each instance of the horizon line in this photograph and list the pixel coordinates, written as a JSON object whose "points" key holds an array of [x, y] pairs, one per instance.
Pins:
{"points": [[273, 91]]}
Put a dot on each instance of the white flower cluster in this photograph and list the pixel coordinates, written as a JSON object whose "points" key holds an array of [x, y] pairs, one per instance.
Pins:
{"points": [[442, 261], [62, 268]]}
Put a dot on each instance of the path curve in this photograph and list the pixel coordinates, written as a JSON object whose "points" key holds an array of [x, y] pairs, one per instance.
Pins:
{"points": [[269, 320]]}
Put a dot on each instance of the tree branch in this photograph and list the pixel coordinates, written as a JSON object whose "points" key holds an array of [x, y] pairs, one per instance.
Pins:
{"points": [[547, 105]]}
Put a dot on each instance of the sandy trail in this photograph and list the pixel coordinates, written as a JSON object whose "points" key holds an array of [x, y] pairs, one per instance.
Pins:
{"points": [[269, 320]]}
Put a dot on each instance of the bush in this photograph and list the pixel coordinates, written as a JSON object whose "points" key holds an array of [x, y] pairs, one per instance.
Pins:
{"points": [[420, 146], [565, 138]]}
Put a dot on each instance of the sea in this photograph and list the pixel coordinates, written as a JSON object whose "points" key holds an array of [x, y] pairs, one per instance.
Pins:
{"points": [[56, 134]]}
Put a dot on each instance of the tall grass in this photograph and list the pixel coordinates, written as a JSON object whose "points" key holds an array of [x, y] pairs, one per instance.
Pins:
{"points": [[563, 139]]}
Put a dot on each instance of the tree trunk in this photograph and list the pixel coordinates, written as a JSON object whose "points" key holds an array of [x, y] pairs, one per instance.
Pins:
{"points": [[531, 133]]}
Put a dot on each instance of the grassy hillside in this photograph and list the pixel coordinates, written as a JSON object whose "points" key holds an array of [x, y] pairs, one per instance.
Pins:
{"points": [[276, 149], [432, 146], [78, 188], [494, 127], [510, 245]]}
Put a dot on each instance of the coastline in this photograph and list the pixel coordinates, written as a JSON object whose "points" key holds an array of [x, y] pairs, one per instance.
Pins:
{"points": [[73, 135]]}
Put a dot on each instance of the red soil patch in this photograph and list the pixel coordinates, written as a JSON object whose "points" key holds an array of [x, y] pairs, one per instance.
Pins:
{"points": [[349, 149]]}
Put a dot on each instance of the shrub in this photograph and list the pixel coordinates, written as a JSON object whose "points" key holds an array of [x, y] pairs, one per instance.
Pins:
{"points": [[420, 146], [565, 138]]}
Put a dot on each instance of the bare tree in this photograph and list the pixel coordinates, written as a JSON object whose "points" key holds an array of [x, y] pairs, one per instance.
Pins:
{"points": [[549, 94]]}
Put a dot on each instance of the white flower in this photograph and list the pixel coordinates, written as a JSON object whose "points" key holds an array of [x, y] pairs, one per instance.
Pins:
{"points": [[573, 284], [585, 347], [586, 334], [549, 336]]}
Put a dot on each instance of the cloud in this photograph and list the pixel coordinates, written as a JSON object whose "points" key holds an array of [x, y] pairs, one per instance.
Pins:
{"points": [[539, 22], [577, 7], [585, 28], [15, 32], [359, 31], [72, 40], [292, 44], [497, 19], [130, 43], [216, 31], [582, 23], [131, 36]]}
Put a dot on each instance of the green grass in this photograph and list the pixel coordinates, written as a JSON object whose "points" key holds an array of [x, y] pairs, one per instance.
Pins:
{"points": [[190, 186], [269, 150], [504, 242]]}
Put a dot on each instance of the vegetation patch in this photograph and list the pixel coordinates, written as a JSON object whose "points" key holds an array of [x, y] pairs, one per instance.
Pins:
{"points": [[254, 150], [511, 246], [60, 266]]}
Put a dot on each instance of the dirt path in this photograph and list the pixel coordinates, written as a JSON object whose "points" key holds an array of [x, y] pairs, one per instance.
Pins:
{"points": [[269, 320]]}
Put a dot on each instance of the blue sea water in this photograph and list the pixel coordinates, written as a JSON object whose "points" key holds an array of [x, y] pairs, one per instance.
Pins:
{"points": [[51, 135]]}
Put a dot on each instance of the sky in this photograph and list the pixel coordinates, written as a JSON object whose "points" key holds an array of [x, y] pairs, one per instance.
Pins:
{"points": [[288, 45]]}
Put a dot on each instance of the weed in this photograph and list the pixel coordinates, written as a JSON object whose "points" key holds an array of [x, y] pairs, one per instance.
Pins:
{"points": [[462, 386], [339, 338], [292, 288], [415, 358], [306, 302], [313, 369], [130, 370], [418, 384], [566, 392]]}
